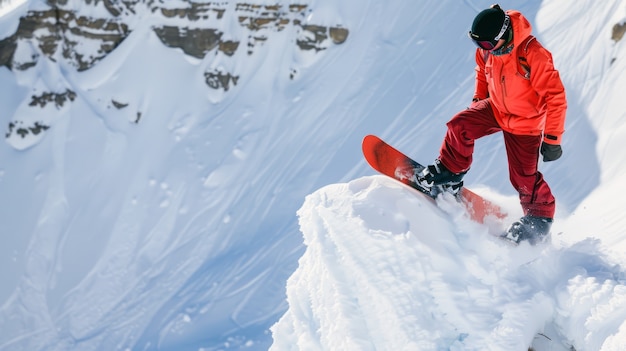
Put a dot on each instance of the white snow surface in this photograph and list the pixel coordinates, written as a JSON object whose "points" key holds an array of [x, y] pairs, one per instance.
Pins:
{"points": [[386, 269], [247, 219]]}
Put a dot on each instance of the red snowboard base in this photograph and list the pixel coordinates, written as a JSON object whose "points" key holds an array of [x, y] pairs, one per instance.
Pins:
{"points": [[387, 160]]}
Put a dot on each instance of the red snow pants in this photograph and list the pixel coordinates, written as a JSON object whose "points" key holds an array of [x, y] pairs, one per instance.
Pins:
{"points": [[522, 152]]}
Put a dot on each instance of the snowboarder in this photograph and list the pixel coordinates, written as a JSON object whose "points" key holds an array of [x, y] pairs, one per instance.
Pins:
{"points": [[518, 92]]}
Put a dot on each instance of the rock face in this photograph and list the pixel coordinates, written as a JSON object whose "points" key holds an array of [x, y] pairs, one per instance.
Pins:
{"points": [[60, 32], [618, 31], [259, 20], [82, 33], [57, 31]]}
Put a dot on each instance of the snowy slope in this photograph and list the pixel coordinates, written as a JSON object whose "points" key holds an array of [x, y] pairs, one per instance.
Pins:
{"points": [[384, 269], [174, 232], [598, 75], [171, 223]]}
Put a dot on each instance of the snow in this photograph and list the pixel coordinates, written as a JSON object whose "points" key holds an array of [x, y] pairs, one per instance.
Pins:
{"points": [[385, 269], [8, 6], [203, 219]]}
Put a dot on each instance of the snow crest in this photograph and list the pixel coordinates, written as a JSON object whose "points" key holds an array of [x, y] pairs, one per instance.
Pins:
{"points": [[386, 269]]}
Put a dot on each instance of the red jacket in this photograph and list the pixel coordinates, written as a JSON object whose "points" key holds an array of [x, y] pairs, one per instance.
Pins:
{"points": [[523, 106]]}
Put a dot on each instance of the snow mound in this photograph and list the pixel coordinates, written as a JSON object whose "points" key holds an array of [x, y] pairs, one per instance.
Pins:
{"points": [[386, 269]]}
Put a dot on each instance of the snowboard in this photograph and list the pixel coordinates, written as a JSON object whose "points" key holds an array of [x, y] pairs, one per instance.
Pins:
{"points": [[387, 160]]}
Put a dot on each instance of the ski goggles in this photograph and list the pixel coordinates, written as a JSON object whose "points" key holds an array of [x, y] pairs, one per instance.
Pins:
{"points": [[487, 44]]}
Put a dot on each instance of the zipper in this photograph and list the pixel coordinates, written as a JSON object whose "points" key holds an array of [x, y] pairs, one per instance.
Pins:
{"points": [[503, 87]]}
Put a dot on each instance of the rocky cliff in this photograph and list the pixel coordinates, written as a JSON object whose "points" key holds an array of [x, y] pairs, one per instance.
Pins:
{"points": [[83, 33]]}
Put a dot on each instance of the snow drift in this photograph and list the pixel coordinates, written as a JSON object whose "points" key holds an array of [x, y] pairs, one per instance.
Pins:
{"points": [[391, 272], [154, 208], [386, 269]]}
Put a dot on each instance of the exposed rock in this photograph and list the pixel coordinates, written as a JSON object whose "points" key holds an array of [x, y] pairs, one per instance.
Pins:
{"points": [[193, 42], [308, 42], [618, 31], [259, 19], [338, 34], [254, 40], [59, 99], [58, 32], [193, 13], [219, 80], [55, 28], [258, 23], [7, 49], [119, 105], [23, 131], [297, 7], [314, 36], [228, 47]]}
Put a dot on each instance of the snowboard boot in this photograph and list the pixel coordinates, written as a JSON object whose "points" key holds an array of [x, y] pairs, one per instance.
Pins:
{"points": [[529, 228], [439, 179]]}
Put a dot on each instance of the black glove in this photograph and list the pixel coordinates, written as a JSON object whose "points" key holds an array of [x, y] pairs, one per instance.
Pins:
{"points": [[550, 152]]}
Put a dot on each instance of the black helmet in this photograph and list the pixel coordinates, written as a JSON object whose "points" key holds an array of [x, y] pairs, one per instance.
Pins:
{"points": [[489, 26]]}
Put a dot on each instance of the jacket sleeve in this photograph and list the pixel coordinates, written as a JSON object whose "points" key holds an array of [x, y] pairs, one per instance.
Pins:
{"points": [[480, 91], [546, 81]]}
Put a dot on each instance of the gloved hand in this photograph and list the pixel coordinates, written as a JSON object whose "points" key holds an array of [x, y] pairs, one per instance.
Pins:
{"points": [[550, 152]]}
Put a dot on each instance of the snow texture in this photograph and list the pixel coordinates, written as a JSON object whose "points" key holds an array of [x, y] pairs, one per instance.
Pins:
{"points": [[195, 218]]}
